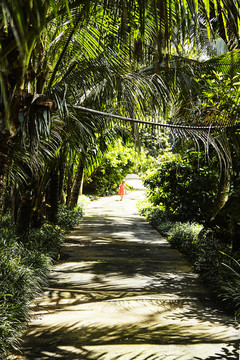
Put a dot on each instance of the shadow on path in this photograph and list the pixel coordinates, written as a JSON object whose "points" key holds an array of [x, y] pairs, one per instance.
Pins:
{"points": [[123, 293]]}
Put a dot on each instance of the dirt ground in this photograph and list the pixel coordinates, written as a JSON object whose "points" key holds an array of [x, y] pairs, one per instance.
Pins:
{"points": [[121, 293]]}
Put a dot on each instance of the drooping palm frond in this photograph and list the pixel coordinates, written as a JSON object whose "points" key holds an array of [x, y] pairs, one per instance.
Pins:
{"points": [[30, 158], [214, 136], [88, 53]]}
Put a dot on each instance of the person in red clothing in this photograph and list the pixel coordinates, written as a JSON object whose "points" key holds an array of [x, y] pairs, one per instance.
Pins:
{"points": [[122, 189]]}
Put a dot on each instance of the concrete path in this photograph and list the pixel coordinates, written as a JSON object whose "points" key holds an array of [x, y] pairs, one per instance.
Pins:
{"points": [[123, 294]]}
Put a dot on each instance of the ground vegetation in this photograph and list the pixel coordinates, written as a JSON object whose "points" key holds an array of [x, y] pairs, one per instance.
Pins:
{"points": [[182, 190]]}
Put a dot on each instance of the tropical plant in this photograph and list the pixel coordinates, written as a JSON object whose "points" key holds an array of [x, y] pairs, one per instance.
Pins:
{"points": [[116, 163], [68, 218], [35, 78], [157, 217], [231, 285], [184, 185], [22, 274], [46, 239], [72, 62]]}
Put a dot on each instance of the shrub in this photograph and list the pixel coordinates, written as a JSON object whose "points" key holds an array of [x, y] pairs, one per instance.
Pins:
{"points": [[184, 237], [184, 185], [210, 255], [22, 273], [115, 165], [199, 246], [230, 287], [46, 239], [210, 258], [157, 217], [68, 218]]}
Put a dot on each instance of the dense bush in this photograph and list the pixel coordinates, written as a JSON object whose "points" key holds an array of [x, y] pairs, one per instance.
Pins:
{"points": [[230, 287], [212, 260], [46, 239], [185, 186], [24, 266], [68, 218], [157, 217], [184, 237], [204, 252], [115, 165], [22, 273]]}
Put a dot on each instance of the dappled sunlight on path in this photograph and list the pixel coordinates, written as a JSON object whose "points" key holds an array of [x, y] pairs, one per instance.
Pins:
{"points": [[122, 293]]}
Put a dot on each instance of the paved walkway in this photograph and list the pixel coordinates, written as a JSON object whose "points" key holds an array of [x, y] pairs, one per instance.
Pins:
{"points": [[123, 294]]}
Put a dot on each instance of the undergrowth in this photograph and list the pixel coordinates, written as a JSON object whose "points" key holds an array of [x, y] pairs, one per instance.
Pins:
{"points": [[68, 218], [24, 267], [23, 272], [208, 256]]}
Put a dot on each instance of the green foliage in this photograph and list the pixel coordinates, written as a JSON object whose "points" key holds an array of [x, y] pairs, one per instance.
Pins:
{"points": [[46, 239], [24, 267], [184, 237], [68, 218], [231, 286], [185, 185], [154, 142], [157, 217], [22, 273], [212, 260], [209, 257], [146, 164], [115, 165], [216, 91]]}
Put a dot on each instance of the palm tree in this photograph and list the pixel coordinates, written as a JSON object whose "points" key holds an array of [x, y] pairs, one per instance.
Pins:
{"points": [[40, 39]]}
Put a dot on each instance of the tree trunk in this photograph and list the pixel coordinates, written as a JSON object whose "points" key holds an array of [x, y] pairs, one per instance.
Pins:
{"points": [[24, 213], [6, 156], [76, 185], [53, 196], [61, 181], [69, 185]]}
